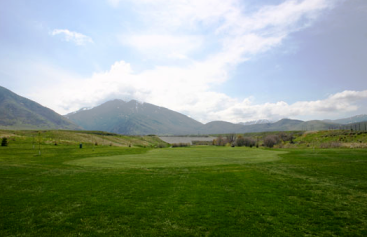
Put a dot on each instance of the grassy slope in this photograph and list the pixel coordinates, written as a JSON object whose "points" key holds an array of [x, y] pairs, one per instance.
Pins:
{"points": [[307, 192], [318, 139], [88, 138]]}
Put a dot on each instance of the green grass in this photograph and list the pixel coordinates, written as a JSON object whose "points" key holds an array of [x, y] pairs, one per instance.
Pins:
{"points": [[120, 191], [182, 157]]}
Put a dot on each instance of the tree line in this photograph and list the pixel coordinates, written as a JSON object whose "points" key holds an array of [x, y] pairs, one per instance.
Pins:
{"points": [[269, 140]]}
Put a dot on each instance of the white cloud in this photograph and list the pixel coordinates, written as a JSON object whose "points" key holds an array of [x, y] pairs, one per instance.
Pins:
{"points": [[172, 46], [72, 36], [239, 34], [185, 94]]}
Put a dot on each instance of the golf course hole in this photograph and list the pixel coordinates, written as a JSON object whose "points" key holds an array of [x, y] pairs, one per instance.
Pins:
{"points": [[182, 157]]}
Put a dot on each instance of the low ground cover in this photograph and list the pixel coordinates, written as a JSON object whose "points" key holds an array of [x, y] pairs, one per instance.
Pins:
{"points": [[195, 191]]}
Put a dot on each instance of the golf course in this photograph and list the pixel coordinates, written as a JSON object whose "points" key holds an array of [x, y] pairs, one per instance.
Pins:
{"points": [[104, 190]]}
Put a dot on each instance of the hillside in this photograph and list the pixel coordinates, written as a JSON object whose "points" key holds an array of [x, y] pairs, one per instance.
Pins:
{"points": [[134, 118], [74, 138], [17, 112], [220, 127], [354, 119]]}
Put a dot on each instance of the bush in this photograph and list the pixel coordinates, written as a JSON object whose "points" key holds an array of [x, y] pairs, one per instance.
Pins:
{"points": [[330, 145], [161, 145], [240, 141], [4, 142], [286, 137], [203, 143], [180, 144], [249, 141], [220, 141], [271, 140]]}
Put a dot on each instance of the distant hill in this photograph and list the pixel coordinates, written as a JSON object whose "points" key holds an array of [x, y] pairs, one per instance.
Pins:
{"points": [[260, 121], [219, 127], [17, 112], [137, 118], [134, 118], [354, 119]]}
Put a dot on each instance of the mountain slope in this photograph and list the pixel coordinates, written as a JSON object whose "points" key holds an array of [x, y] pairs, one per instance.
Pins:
{"points": [[17, 112], [220, 127], [354, 119], [134, 118]]}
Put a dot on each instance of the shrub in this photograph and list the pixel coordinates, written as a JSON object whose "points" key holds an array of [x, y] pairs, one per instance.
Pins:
{"points": [[271, 140], [249, 141], [180, 144], [220, 141], [286, 137], [4, 141], [202, 143], [330, 145], [161, 145], [240, 141]]}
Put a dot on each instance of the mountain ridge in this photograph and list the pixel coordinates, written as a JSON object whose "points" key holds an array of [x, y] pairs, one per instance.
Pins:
{"points": [[135, 118], [17, 112], [133, 123], [140, 118]]}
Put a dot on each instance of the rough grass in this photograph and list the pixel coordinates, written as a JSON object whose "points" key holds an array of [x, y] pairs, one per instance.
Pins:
{"points": [[306, 192], [88, 138]]}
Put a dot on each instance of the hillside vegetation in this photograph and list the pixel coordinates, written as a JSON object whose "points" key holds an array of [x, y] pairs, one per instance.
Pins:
{"points": [[87, 138], [17, 112], [296, 139]]}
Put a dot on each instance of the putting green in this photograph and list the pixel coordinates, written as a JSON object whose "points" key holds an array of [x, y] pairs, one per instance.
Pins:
{"points": [[182, 157]]}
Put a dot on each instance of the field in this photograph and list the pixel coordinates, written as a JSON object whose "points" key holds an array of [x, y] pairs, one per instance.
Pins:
{"points": [[194, 191]]}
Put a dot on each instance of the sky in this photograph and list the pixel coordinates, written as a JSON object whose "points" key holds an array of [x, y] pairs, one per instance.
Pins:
{"points": [[233, 60]]}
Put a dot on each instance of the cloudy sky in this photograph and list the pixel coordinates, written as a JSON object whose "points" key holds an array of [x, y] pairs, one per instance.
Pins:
{"points": [[233, 60]]}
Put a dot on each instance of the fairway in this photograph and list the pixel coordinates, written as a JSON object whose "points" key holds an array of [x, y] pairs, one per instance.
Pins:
{"points": [[193, 191], [183, 157]]}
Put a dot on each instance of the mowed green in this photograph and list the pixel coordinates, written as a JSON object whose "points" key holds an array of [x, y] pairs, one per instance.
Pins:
{"points": [[206, 191], [182, 157]]}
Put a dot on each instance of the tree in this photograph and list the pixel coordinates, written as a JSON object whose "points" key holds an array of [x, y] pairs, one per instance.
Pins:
{"points": [[220, 141], [240, 141], [231, 138], [271, 140], [4, 142], [249, 141]]}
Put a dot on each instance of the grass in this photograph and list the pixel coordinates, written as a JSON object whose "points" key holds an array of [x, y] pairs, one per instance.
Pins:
{"points": [[88, 138], [206, 191], [182, 157]]}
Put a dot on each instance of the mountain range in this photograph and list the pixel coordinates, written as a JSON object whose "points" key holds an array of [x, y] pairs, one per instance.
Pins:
{"points": [[137, 118], [17, 112]]}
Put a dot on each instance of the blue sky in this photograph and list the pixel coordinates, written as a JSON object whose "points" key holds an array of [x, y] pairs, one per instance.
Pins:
{"points": [[212, 60]]}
